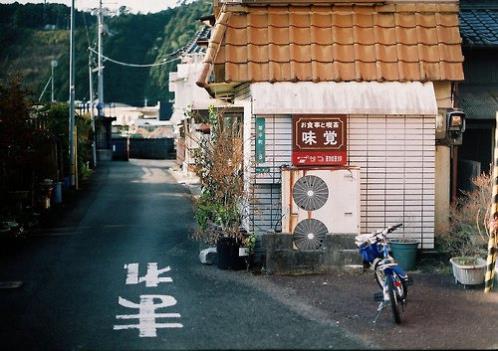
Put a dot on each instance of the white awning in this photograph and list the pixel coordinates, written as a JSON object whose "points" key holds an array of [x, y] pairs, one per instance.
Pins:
{"points": [[396, 98]]}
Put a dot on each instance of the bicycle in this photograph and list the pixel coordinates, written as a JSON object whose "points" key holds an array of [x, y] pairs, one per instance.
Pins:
{"points": [[391, 278]]}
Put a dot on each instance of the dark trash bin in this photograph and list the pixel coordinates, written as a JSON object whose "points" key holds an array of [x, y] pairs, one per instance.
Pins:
{"points": [[228, 254], [120, 149]]}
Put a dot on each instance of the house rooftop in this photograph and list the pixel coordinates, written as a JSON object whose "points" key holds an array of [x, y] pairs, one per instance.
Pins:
{"points": [[346, 2], [479, 23], [195, 45], [331, 41]]}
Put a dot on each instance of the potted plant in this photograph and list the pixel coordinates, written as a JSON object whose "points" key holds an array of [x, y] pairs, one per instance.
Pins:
{"points": [[219, 226], [219, 166], [467, 262], [467, 239]]}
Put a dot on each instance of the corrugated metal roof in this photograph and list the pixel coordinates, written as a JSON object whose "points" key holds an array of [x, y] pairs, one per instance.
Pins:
{"points": [[390, 98], [479, 101], [331, 42]]}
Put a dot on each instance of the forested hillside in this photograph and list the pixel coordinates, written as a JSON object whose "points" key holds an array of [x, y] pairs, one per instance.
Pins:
{"points": [[34, 34]]}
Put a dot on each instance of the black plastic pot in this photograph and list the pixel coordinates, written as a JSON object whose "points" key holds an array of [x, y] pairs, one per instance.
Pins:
{"points": [[228, 254]]}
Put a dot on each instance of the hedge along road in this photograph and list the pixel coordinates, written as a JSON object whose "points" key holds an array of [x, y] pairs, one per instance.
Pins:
{"points": [[119, 271]]}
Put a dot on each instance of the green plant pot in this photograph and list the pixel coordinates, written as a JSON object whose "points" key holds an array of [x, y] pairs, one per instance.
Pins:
{"points": [[405, 253]]}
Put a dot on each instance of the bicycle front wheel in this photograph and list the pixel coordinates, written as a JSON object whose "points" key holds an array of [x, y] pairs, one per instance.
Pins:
{"points": [[394, 299]]}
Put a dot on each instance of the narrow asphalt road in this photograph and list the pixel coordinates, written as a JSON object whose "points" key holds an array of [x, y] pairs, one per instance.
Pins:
{"points": [[79, 276]]}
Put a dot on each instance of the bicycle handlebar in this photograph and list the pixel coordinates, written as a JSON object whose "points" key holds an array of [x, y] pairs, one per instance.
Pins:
{"points": [[388, 229], [379, 234], [394, 227]]}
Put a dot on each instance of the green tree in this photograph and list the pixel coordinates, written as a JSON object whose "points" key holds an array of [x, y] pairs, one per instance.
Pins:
{"points": [[135, 38], [23, 139]]}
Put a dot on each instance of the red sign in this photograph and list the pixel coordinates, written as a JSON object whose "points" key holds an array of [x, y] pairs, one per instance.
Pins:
{"points": [[319, 140]]}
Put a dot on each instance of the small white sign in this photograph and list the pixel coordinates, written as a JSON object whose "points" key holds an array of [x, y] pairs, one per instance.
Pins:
{"points": [[243, 251]]}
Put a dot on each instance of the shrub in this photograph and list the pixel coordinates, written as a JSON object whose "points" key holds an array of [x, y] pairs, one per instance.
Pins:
{"points": [[219, 166], [469, 216]]}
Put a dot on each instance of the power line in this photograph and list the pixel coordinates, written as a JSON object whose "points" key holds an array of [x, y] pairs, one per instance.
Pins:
{"points": [[134, 64]]}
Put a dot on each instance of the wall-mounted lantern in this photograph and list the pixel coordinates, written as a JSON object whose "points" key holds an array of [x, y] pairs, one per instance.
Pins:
{"points": [[450, 125], [455, 126]]}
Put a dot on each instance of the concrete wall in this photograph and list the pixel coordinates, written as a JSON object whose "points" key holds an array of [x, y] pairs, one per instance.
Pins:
{"points": [[280, 257], [443, 165]]}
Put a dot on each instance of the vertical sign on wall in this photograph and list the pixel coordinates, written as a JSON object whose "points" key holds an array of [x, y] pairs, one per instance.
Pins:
{"points": [[260, 140]]}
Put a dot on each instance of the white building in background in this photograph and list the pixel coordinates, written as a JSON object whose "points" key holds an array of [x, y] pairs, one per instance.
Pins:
{"points": [[188, 96], [190, 100], [131, 120]]}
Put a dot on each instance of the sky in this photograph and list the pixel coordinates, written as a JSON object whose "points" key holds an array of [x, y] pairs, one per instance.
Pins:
{"points": [[143, 6]]}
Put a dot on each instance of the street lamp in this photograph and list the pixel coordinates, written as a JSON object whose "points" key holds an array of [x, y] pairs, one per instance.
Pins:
{"points": [[53, 64]]}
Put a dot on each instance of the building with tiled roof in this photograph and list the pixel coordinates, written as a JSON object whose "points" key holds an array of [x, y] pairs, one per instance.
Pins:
{"points": [[335, 41], [379, 71], [478, 94], [479, 23]]}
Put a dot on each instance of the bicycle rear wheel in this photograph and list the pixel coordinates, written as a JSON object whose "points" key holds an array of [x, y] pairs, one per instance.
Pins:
{"points": [[394, 299]]}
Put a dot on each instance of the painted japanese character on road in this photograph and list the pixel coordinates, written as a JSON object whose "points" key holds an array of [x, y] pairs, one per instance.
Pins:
{"points": [[151, 278], [147, 315]]}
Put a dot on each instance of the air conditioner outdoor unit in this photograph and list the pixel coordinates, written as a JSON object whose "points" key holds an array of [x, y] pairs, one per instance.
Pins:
{"points": [[318, 202]]}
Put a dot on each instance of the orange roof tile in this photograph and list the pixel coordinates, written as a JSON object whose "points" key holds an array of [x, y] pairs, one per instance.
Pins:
{"points": [[416, 41]]}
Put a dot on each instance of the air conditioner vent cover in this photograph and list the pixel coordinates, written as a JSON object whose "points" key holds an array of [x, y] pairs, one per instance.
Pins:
{"points": [[329, 195], [310, 193], [309, 234]]}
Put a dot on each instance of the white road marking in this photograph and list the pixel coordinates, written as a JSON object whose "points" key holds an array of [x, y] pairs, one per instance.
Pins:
{"points": [[158, 315], [147, 315], [11, 284], [151, 278]]}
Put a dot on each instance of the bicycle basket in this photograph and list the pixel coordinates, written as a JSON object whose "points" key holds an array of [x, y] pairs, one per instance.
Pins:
{"points": [[370, 252]]}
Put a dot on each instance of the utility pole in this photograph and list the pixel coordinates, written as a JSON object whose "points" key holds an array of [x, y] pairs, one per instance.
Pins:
{"points": [[99, 62], [72, 154], [92, 116]]}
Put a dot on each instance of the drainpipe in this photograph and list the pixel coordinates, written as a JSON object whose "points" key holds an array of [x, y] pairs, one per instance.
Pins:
{"points": [[454, 176]]}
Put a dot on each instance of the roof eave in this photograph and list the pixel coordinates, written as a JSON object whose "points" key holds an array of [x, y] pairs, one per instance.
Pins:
{"points": [[212, 51], [300, 2]]}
